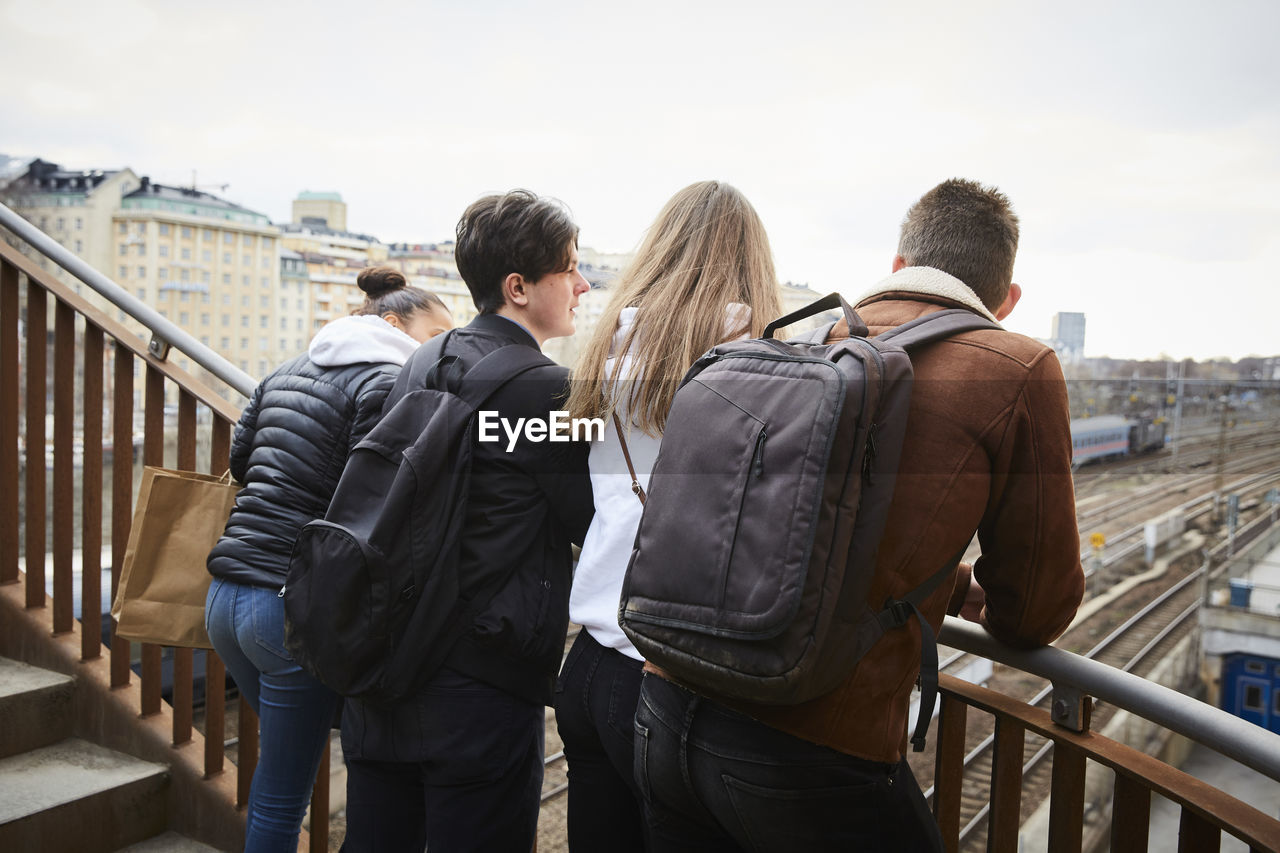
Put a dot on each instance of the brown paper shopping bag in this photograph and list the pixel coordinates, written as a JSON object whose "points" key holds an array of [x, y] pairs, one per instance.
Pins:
{"points": [[163, 582]]}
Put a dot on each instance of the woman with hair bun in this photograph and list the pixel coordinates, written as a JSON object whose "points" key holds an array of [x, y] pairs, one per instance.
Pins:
{"points": [[290, 446]]}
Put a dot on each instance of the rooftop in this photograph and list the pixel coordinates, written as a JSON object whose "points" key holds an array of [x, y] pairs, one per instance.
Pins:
{"points": [[190, 201], [307, 195]]}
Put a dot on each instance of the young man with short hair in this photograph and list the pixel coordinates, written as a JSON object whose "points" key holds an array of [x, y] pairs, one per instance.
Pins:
{"points": [[987, 449], [457, 765]]}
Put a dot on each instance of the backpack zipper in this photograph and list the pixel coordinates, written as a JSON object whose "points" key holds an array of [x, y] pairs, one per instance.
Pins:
{"points": [[869, 456], [757, 456]]}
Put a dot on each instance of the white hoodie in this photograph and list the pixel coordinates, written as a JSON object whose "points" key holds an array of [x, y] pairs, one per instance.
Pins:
{"points": [[366, 339], [597, 582]]}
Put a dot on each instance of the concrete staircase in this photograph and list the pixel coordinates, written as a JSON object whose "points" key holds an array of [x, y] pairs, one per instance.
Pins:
{"points": [[60, 792]]}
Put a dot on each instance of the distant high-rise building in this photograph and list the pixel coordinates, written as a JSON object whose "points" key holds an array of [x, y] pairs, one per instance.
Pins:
{"points": [[1067, 334]]}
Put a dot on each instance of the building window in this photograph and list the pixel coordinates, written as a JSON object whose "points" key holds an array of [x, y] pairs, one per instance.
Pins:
{"points": [[1253, 700], [185, 275], [226, 299], [184, 318], [244, 300], [142, 228], [226, 319], [266, 281], [299, 324], [263, 320], [244, 364], [206, 234], [299, 343], [142, 293], [164, 229], [163, 272], [79, 246], [1256, 667], [263, 346], [122, 228], [164, 251], [248, 240], [204, 321], [204, 276], [226, 278], [264, 301], [142, 249], [244, 321], [266, 262], [142, 272], [124, 250], [204, 339], [228, 238], [284, 327], [123, 272], [245, 260], [226, 344], [244, 281], [79, 224], [226, 258], [184, 296], [206, 256], [284, 344], [186, 231], [62, 223], [266, 242], [186, 253]]}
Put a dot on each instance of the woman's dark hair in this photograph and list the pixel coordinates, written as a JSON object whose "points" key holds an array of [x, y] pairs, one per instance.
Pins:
{"points": [[513, 233], [387, 290]]}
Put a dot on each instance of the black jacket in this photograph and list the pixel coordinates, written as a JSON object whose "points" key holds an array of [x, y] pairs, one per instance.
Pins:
{"points": [[290, 446], [525, 508]]}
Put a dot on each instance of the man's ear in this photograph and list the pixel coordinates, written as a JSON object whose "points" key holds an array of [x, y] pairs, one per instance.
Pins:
{"points": [[514, 290], [898, 263], [1006, 307]]}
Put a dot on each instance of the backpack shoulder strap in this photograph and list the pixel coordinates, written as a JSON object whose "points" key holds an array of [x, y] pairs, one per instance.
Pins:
{"points": [[496, 369], [815, 336], [935, 327]]}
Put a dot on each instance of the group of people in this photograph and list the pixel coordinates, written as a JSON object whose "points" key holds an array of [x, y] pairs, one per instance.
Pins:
{"points": [[653, 765]]}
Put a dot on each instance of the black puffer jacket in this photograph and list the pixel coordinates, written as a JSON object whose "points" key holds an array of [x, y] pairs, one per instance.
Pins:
{"points": [[290, 446]]}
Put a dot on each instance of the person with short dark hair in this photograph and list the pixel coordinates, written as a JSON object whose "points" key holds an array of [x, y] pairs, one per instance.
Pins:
{"points": [[290, 445], [457, 764], [988, 449]]}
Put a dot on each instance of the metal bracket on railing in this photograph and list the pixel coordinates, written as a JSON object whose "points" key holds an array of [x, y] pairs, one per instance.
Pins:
{"points": [[158, 347], [1071, 707]]}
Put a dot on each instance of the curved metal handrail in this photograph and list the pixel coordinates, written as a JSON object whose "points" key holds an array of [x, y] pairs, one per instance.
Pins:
{"points": [[127, 302], [1250, 745]]}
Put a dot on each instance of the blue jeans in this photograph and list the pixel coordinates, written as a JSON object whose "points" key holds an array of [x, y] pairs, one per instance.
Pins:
{"points": [[295, 712], [596, 699], [716, 780]]}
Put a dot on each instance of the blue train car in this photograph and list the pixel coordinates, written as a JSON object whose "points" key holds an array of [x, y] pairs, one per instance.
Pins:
{"points": [[1103, 437]]}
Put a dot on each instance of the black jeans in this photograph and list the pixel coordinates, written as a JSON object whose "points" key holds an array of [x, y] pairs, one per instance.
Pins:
{"points": [[477, 786], [713, 779], [595, 713]]}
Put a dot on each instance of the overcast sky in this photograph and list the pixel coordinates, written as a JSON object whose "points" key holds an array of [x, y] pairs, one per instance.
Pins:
{"points": [[1140, 145]]}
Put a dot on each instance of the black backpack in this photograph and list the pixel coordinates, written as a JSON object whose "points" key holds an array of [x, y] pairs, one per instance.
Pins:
{"points": [[371, 596], [750, 569]]}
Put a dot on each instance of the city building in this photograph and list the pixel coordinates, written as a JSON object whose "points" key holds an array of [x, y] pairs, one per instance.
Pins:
{"points": [[1066, 335], [326, 208], [207, 264]]}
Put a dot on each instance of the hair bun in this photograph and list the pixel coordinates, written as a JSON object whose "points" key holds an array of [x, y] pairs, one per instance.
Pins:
{"points": [[376, 281]]}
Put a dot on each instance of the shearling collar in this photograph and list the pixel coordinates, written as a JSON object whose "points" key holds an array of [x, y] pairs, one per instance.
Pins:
{"points": [[931, 282]]}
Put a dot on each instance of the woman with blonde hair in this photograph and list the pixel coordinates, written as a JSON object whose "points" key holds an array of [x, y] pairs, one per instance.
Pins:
{"points": [[703, 275]]}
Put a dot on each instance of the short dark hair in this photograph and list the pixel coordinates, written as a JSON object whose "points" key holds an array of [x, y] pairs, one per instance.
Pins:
{"points": [[966, 230], [513, 233]]}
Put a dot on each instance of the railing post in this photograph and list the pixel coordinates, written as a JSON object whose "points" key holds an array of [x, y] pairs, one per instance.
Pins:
{"points": [[949, 766], [183, 659], [1006, 786], [8, 422], [121, 494], [1197, 835], [64, 436], [215, 671], [1130, 815], [91, 498], [152, 454], [37, 381], [1066, 802]]}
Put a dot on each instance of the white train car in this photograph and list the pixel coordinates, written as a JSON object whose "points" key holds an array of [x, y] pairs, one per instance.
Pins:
{"points": [[1103, 437]]}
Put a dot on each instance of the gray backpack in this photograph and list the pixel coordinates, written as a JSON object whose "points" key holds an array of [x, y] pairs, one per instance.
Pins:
{"points": [[750, 570]]}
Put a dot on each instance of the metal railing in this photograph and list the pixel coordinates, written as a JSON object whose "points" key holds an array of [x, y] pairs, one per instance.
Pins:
{"points": [[1205, 811], [103, 371]]}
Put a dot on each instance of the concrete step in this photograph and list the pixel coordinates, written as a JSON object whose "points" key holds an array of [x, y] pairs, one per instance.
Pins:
{"points": [[170, 842], [75, 795], [35, 707]]}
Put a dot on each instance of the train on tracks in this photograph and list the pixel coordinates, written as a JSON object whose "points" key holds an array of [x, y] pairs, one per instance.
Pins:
{"points": [[1115, 437]]}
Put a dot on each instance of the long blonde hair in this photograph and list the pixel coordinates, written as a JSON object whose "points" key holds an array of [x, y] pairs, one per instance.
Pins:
{"points": [[706, 249]]}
